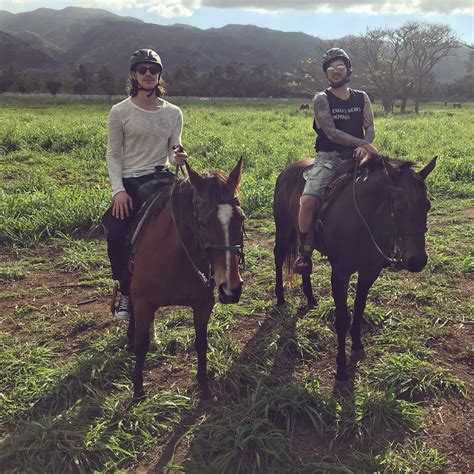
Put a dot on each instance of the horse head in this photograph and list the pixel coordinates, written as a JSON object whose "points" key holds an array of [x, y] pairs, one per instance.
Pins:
{"points": [[409, 206], [219, 223]]}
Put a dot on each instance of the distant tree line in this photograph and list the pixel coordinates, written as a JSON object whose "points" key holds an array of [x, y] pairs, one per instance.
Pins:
{"points": [[230, 80], [392, 65]]}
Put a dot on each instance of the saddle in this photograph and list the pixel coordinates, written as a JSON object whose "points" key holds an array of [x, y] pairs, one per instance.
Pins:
{"points": [[344, 175], [151, 207]]}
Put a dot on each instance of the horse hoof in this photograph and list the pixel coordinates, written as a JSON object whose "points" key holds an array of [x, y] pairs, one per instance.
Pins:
{"points": [[281, 302], [139, 395], [206, 394], [357, 355], [343, 386], [311, 304], [130, 348]]}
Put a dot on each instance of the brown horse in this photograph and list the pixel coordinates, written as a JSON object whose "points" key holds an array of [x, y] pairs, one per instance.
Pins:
{"points": [[375, 217], [192, 246]]}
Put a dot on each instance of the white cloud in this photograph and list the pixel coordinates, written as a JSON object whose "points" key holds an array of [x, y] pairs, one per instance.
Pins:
{"points": [[185, 8], [173, 8], [359, 6]]}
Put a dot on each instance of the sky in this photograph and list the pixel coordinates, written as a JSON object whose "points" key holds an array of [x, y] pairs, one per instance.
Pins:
{"points": [[326, 20]]}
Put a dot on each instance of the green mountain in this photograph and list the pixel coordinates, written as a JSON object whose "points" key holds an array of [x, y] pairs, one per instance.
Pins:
{"points": [[65, 38]]}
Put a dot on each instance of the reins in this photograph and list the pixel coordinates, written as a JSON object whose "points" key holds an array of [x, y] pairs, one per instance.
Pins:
{"points": [[207, 281], [396, 254]]}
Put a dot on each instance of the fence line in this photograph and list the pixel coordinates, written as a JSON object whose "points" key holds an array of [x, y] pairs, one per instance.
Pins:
{"points": [[114, 98]]}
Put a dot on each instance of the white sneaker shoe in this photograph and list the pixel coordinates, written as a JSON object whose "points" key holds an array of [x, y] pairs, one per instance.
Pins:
{"points": [[123, 310]]}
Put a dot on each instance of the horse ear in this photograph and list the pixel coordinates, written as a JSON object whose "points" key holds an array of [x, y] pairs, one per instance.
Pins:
{"points": [[236, 174], [428, 168], [195, 178]]}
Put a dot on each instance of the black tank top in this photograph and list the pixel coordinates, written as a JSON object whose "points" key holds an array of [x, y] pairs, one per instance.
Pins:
{"points": [[348, 116]]}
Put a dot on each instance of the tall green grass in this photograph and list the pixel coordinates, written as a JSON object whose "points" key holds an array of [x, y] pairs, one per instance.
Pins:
{"points": [[52, 156], [65, 390]]}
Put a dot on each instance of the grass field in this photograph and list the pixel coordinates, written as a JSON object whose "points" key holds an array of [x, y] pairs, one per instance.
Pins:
{"points": [[66, 390]]}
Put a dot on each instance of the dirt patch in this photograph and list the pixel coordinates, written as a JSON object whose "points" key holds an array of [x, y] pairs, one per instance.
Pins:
{"points": [[469, 213]]}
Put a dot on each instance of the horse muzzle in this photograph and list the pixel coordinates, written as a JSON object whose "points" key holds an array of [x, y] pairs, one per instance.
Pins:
{"points": [[416, 264], [229, 295]]}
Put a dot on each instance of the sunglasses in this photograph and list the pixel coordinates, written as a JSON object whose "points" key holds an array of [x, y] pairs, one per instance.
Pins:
{"points": [[143, 70], [339, 68]]}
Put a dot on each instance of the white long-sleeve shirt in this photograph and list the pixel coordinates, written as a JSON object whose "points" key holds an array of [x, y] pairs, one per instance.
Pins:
{"points": [[140, 139]]}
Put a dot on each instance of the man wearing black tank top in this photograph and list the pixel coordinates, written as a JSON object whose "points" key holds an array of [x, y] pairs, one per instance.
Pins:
{"points": [[344, 124]]}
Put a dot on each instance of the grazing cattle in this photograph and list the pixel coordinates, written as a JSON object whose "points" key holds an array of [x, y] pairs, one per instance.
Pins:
{"points": [[376, 217]]}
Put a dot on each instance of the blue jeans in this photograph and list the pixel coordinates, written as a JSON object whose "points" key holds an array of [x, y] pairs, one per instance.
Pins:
{"points": [[322, 173]]}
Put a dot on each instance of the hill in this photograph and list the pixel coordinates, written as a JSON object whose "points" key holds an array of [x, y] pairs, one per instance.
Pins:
{"points": [[88, 35]]}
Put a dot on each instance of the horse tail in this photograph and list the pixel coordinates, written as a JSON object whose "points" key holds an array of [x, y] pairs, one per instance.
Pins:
{"points": [[285, 232]]}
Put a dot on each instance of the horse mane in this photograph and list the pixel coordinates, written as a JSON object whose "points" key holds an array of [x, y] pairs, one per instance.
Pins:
{"points": [[377, 163], [414, 185]]}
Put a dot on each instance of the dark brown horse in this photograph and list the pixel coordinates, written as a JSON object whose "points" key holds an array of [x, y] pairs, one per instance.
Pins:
{"points": [[192, 246], [377, 216]]}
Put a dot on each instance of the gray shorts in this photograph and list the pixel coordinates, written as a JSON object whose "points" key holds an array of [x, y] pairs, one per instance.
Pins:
{"points": [[322, 173]]}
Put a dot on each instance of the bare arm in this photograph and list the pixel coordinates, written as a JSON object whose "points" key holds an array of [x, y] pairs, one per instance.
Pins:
{"points": [[324, 120], [369, 127]]}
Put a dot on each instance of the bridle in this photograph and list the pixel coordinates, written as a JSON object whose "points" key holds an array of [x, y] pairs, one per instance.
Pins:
{"points": [[205, 244], [395, 256]]}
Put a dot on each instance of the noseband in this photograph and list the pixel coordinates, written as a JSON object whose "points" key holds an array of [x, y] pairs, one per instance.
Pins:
{"points": [[396, 254], [206, 245]]}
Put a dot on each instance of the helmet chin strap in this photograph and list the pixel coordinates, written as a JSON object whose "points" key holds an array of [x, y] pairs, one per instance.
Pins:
{"points": [[152, 90]]}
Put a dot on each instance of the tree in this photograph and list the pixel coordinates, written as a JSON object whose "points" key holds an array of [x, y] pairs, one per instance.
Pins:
{"points": [[383, 64], [5, 83], [307, 78], [427, 45], [106, 80], [53, 86], [464, 86], [83, 73], [184, 78]]}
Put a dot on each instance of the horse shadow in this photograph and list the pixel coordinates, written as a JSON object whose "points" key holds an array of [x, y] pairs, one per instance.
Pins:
{"points": [[278, 327]]}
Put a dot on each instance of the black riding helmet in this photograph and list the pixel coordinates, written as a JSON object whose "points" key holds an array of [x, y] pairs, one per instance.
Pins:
{"points": [[145, 56], [336, 53]]}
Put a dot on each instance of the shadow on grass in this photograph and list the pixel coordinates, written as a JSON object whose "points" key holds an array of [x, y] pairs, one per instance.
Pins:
{"points": [[244, 376], [262, 414]]}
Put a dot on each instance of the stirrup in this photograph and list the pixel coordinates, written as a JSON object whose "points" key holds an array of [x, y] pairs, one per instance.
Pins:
{"points": [[303, 264]]}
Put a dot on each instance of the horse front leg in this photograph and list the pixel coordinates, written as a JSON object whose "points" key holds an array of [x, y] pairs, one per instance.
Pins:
{"points": [[201, 318], [282, 242], [364, 283], [131, 333], [308, 291], [340, 284], [144, 314]]}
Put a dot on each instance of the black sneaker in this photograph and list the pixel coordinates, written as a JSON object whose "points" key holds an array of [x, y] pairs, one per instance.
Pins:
{"points": [[303, 265], [123, 310]]}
